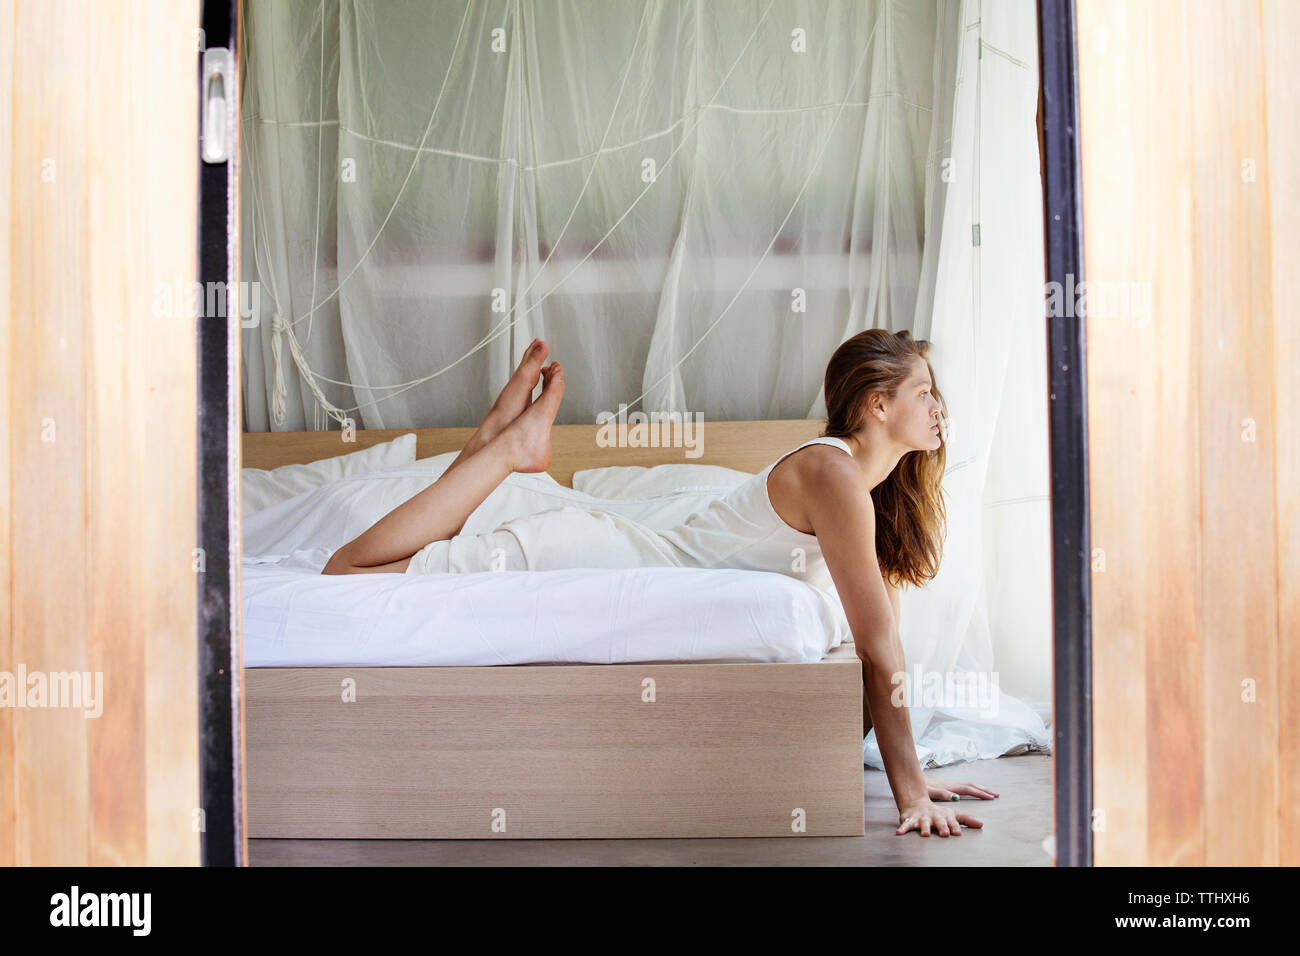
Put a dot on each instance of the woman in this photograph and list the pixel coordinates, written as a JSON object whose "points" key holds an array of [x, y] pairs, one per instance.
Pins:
{"points": [[881, 454]]}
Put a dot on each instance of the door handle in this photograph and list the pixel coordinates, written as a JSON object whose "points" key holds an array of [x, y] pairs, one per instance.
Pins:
{"points": [[218, 116]]}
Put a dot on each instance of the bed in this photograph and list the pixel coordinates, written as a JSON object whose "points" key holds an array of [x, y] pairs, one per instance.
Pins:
{"points": [[644, 703]]}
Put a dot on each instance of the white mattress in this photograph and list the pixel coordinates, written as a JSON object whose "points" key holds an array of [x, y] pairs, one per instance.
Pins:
{"points": [[296, 617]]}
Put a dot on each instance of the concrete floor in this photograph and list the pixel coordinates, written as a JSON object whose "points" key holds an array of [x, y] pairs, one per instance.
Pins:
{"points": [[1015, 826]]}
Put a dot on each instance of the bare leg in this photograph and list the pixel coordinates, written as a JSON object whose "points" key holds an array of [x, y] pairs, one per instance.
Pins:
{"points": [[439, 511], [510, 404], [513, 400]]}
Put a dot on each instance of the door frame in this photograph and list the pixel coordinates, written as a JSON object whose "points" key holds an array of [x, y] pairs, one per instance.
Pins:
{"points": [[221, 726], [1068, 439], [220, 657]]}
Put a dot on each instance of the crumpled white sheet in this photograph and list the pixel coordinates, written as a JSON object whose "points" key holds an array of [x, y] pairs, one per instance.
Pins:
{"points": [[332, 515]]}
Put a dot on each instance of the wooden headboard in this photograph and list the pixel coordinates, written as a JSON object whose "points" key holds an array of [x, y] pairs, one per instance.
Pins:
{"points": [[746, 446]]}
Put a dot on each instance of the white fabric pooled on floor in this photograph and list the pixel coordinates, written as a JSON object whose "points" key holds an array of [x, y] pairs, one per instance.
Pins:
{"points": [[294, 616], [948, 735]]}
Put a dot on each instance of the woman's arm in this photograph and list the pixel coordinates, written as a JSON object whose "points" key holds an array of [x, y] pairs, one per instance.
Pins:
{"points": [[843, 518], [939, 789], [842, 515], [866, 707], [893, 602]]}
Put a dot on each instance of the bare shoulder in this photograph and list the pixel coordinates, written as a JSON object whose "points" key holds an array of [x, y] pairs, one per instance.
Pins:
{"points": [[813, 462], [835, 485], [819, 478]]}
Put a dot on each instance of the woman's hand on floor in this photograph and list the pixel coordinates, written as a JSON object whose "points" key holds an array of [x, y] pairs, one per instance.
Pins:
{"points": [[944, 790], [923, 814]]}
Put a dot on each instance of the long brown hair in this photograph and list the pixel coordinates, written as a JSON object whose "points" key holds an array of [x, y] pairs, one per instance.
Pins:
{"points": [[910, 518]]}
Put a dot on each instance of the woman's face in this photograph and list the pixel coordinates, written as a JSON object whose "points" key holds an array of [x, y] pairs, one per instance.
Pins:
{"points": [[914, 411]]}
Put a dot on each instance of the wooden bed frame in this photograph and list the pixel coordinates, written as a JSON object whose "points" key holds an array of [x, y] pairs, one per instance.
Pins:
{"points": [[675, 749]]}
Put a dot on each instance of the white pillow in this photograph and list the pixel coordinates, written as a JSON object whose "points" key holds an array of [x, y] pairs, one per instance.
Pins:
{"points": [[262, 488], [636, 481]]}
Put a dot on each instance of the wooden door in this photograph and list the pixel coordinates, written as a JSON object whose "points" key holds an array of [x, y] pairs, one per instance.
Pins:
{"points": [[98, 196]]}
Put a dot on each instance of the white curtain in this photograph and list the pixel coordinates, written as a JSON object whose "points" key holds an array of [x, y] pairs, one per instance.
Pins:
{"points": [[985, 620], [694, 202]]}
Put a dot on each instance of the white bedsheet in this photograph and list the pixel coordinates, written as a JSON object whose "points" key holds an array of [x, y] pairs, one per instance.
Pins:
{"points": [[294, 616]]}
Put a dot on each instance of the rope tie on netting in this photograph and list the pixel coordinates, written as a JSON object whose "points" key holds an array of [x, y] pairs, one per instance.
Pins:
{"points": [[278, 390], [280, 328]]}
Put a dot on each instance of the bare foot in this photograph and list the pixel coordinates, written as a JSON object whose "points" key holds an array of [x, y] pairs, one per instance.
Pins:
{"points": [[518, 393], [529, 435], [512, 401]]}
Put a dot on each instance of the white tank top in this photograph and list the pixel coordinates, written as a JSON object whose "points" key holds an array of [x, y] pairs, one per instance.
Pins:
{"points": [[742, 530]]}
